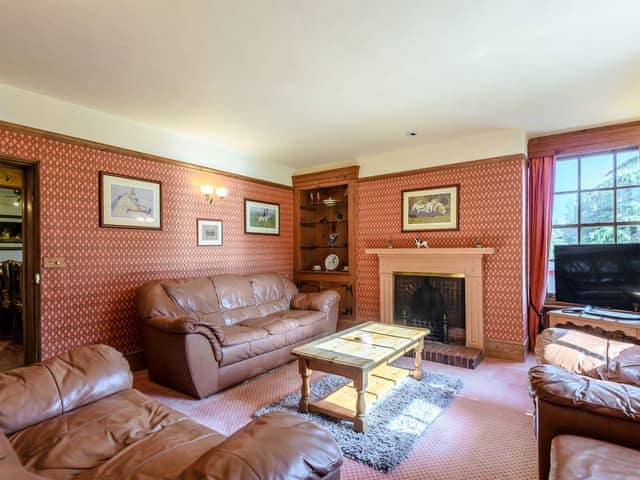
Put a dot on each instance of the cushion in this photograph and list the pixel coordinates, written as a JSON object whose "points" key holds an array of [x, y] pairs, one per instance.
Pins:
{"points": [[92, 440], [195, 295], [578, 458], [236, 334]]}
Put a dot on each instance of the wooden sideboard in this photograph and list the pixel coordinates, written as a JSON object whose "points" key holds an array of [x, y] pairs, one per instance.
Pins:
{"points": [[629, 328]]}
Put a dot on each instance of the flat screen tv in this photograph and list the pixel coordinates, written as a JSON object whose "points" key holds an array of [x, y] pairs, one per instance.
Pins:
{"points": [[599, 275]]}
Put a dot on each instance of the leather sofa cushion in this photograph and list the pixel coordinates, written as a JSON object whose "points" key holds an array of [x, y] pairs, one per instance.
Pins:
{"points": [[234, 291], [236, 334], [297, 449], [196, 295], [579, 458], [266, 287], [87, 374], [590, 355], [99, 438], [41, 391], [243, 351], [231, 317], [28, 395]]}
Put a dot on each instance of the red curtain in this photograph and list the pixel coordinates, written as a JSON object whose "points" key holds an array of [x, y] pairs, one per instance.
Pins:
{"points": [[541, 172]]}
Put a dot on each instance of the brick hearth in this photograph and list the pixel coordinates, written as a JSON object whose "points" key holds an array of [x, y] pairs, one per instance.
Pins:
{"points": [[455, 355]]}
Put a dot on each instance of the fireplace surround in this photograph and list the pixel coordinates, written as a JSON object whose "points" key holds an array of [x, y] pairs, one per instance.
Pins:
{"points": [[467, 262]]}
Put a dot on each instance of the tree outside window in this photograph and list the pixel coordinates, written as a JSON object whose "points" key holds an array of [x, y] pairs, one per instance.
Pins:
{"points": [[596, 200]]}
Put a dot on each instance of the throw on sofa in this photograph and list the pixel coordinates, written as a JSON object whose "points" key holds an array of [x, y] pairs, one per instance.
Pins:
{"points": [[586, 390], [205, 334], [76, 416]]}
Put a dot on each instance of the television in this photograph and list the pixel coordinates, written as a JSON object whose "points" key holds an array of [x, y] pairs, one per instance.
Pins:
{"points": [[599, 275]]}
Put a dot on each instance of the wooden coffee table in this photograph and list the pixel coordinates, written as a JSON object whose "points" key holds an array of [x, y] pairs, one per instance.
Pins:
{"points": [[363, 354]]}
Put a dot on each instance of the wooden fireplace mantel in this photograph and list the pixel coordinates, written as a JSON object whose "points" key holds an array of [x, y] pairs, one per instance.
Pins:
{"points": [[466, 261]]}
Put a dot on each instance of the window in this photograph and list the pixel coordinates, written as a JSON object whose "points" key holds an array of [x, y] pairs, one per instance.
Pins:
{"points": [[596, 199]]}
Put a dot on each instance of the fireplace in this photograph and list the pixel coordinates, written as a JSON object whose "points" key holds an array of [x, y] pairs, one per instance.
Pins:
{"points": [[441, 262], [433, 301]]}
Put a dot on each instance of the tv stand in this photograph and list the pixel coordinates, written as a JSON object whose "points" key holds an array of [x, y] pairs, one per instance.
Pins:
{"points": [[603, 312]]}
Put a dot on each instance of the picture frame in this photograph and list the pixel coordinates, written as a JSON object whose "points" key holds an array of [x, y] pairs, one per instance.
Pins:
{"points": [[261, 218], [130, 202], [433, 208], [209, 232]]}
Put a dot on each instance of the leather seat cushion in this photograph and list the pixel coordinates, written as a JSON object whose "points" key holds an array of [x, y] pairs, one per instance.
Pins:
{"points": [[243, 351], [236, 334], [580, 458], [299, 317], [102, 437]]}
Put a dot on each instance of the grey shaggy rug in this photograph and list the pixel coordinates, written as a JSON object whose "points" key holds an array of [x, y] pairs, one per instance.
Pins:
{"points": [[395, 422]]}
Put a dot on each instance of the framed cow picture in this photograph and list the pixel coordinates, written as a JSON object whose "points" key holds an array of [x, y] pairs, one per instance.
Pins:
{"points": [[262, 218], [128, 202], [430, 209]]}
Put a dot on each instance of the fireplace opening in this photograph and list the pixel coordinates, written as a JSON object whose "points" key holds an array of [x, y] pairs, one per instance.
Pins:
{"points": [[431, 301]]}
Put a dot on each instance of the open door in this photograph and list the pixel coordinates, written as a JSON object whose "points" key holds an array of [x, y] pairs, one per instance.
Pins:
{"points": [[19, 265]]}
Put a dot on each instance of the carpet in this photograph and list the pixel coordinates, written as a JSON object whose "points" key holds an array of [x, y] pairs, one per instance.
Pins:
{"points": [[395, 423]]}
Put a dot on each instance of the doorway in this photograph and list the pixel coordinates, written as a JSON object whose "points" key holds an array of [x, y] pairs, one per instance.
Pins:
{"points": [[19, 272]]}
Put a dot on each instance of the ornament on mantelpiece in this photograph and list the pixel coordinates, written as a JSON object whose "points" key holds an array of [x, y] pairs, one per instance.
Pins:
{"points": [[421, 243]]}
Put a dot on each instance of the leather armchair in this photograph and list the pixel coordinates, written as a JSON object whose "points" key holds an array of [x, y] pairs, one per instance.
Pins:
{"points": [[587, 399]]}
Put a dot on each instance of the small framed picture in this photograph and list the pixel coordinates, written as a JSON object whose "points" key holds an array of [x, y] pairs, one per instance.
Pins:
{"points": [[209, 232], [430, 209], [261, 217], [128, 202]]}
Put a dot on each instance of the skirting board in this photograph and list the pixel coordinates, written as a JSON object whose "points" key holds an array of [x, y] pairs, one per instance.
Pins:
{"points": [[137, 360], [505, 349]]}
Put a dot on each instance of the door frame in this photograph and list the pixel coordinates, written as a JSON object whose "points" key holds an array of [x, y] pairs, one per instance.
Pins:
{"points": [[31, 255]]}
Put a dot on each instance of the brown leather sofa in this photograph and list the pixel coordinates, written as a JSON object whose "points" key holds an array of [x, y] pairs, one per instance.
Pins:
{"points": [[205, 334], [76, 416], [586, 391]]}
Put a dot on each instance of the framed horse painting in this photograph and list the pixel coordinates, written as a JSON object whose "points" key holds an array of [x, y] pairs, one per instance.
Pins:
{"points": [[261, 217], [128, 202]]}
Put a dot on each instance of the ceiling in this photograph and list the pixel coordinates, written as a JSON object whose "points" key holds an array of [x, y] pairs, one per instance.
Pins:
{"points": [[307, 82]]}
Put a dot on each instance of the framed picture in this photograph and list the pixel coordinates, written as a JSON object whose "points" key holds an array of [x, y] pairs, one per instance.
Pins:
{"points": [[127, 202], [430, 209], [261, 217], [209, 232]]}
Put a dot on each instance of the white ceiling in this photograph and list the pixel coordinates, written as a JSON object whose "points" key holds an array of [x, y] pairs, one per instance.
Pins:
{"points": [[306, 82]]}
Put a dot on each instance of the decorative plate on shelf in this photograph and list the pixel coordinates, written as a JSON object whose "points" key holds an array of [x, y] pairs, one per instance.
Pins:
{"points": [[332, 261]]}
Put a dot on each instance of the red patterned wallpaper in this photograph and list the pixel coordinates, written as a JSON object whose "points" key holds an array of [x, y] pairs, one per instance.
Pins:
{"points": [[91, 299], [491, 209]]}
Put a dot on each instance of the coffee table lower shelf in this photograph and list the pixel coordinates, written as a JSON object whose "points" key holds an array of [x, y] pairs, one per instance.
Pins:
{"points": [[342, 402]]}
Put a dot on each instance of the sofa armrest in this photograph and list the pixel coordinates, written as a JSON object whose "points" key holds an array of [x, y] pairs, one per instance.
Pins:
{"points": [[10, 465], [319, 301], [556, 385], [276, 445], [190, 325]]}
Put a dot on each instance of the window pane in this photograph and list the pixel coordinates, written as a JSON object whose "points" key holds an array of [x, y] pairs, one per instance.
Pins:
{"points": [[563, 236], [596, 207], [596, 171], [628, 168], [565, 209], [566, 175], [629, 234], [590, 235], [628, 200]]}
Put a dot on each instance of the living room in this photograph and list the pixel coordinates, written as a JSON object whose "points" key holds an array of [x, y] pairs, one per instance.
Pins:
{"points": [[348, 179]]}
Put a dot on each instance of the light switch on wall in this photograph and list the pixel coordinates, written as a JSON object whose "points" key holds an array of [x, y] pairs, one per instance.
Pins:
{"points": [[53, 262]]}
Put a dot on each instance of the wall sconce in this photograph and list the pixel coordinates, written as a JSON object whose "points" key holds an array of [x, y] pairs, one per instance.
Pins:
{"points": [[209, 192]]}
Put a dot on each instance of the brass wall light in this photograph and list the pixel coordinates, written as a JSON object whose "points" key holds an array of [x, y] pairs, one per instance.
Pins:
{"points": [[210, 192]]}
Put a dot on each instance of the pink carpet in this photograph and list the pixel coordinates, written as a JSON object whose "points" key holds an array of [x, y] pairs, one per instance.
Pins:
{"points": [[484, 434]]}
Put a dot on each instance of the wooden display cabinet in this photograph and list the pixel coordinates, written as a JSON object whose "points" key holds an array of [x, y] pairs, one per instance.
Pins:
{"points": [[324, 219]]}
